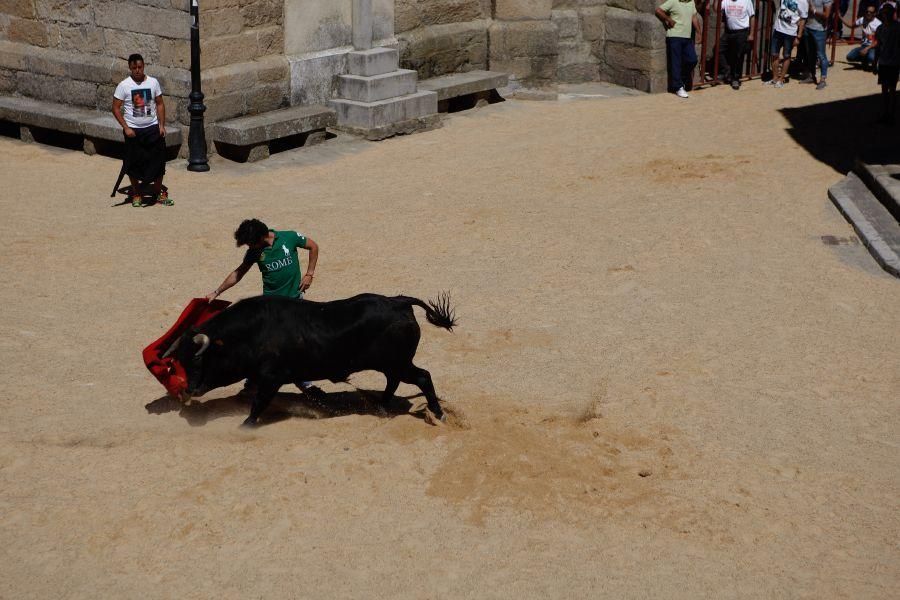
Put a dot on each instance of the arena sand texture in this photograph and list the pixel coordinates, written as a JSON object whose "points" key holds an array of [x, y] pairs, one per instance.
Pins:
{"points": [[663, 383]]}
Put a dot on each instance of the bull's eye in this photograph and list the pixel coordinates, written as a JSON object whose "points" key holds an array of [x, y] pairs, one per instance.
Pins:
{"points": [[219, 343]]}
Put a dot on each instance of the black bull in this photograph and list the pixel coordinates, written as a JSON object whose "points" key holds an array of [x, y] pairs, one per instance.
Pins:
{"points": [[271, 341]]}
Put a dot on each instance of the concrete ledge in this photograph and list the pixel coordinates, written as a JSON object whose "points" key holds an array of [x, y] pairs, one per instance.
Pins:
{"points": [[463, 84], [92, 124], [877, 227], [406, 127], [248, 139]]}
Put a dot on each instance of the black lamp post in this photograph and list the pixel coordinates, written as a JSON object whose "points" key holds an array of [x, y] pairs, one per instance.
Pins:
{"points": [[196, 136]]}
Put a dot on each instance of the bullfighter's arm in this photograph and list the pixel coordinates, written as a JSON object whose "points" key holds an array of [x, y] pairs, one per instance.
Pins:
{"points": [[311, 267], [230, 281]]}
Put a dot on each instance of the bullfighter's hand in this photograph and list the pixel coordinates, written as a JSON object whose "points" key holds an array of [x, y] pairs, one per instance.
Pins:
{"points": [[212, 296], [306, 282]]}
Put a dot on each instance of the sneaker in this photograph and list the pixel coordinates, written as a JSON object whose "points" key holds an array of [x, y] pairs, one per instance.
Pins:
{"points": [[808, 79], [681, 93], [769, 82], [821, 85], [137, 201], [735, 84], [163, 199], [779, 84]]}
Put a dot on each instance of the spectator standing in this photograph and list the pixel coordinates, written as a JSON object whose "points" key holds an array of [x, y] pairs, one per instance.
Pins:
{"points": [[143, 122], [865, 52], [790, 20], [678, 16], [740, 24], [815, 36], [887, 45]]}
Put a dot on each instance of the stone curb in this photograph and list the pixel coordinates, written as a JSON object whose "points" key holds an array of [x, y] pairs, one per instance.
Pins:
{"points": [[872, 222]]}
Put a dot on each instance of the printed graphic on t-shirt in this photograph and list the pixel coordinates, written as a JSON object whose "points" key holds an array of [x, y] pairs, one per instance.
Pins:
{"points": [[788, 12], [141, 99]]}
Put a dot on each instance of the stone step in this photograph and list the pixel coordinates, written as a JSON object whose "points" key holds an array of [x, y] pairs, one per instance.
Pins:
{"points": [[368, 115], [463, 84], [877, 227], [376, 61], [268, 126], [884, 182], [377, 87]]}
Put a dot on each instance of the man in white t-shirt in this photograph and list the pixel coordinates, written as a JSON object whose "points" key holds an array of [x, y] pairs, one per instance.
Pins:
{"points": [[139, 108], [790, 20], [740, 24], [865, 52]]}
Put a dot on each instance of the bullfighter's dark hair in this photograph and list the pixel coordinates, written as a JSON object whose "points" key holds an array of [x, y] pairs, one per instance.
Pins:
{"points": [[250, 231], [133, 58]]}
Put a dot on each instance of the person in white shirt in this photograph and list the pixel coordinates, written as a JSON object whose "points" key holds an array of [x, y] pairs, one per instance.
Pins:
{"points": [[790, 19], [139, 108], [865, 52], [740, 26]]}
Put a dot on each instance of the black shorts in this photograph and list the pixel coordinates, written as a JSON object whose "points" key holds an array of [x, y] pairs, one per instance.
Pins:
{"points": [[887, 75], [145, 154]]}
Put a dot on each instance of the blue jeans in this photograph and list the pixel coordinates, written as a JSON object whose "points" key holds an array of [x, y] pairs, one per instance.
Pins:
{"points": [[818, 38], [682, 58], [862, 54]]}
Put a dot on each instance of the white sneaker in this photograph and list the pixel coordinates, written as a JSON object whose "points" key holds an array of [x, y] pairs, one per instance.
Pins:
{"points": [[681, 93]]}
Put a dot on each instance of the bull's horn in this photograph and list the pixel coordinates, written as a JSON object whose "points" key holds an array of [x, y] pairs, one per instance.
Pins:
{"points": [[172, 348], [203, 339]]}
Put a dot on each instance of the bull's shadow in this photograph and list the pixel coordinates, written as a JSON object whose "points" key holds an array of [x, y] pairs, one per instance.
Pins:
{"points": [[287, 405]]}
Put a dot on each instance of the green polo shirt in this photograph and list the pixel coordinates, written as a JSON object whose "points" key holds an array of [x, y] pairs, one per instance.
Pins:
{"points": [[279, 265], [681, 12]]}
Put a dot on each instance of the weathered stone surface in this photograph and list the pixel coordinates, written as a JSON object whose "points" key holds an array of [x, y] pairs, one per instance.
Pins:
{"points": [[567, 23], [270, 40], [442, 49], [463, 84], [649, 32], [384, 112], [27, 31], [238, 77], [410, 14], [320, 26], [593, 24], [246, 131], [18, 8], [262, 98], [515, 10], [262, 12], [227, 50], [81, 38], [69, 11], [621, 25], [122, 44], [375, 61], [219, 108], [625, 56], [80, 93], [13, 56], [377, 87], [225, 21], [7, 81], [523, 39], [175, 53], [313, 77], [141, 19]]}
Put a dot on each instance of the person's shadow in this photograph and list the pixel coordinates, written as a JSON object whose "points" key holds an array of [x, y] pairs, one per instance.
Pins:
{"points": [[287, 405]]}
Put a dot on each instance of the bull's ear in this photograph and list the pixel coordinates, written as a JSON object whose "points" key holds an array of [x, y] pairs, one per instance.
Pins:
{"points": [[219, 343]]}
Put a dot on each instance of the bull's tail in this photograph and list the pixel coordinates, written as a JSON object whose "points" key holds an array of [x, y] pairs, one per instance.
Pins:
{"points": [[438, 312]]}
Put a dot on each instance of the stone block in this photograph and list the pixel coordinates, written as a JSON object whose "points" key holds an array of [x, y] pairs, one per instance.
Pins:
{"points": [[621, 26], [517, 10], [7, 81], [271, 69], [13, 56], [250, 130], [442, 49], [225, 21], [104, 96], [375, 61], [81, 38], [18, 8], [238, 77], [313, 77], [593, 24], [368, 115], [231, 49], [626, 56], [464, 84], [219, 108], [175, 53], [528, 38], [28, 31], [126, 16], [378, 87], [649, 32], [442, 12], [262, 12], [174, 82], [578, 73], [217, 4], [573, 52], [406, 15], [67, 11], [263, 98], [80, 93], [567, 23], [270, 41], [84, 67], [121, 44]]}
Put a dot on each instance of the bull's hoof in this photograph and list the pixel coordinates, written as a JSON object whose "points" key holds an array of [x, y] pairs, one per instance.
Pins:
{"points": [[249, 424], [433, 419]]}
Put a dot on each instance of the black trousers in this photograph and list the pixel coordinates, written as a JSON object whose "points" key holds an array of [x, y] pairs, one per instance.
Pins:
{"points": [[145, 154], [732, 49]]}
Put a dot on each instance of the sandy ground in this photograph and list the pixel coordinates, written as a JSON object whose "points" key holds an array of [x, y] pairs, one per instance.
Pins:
{"points": [[642, 288]]}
